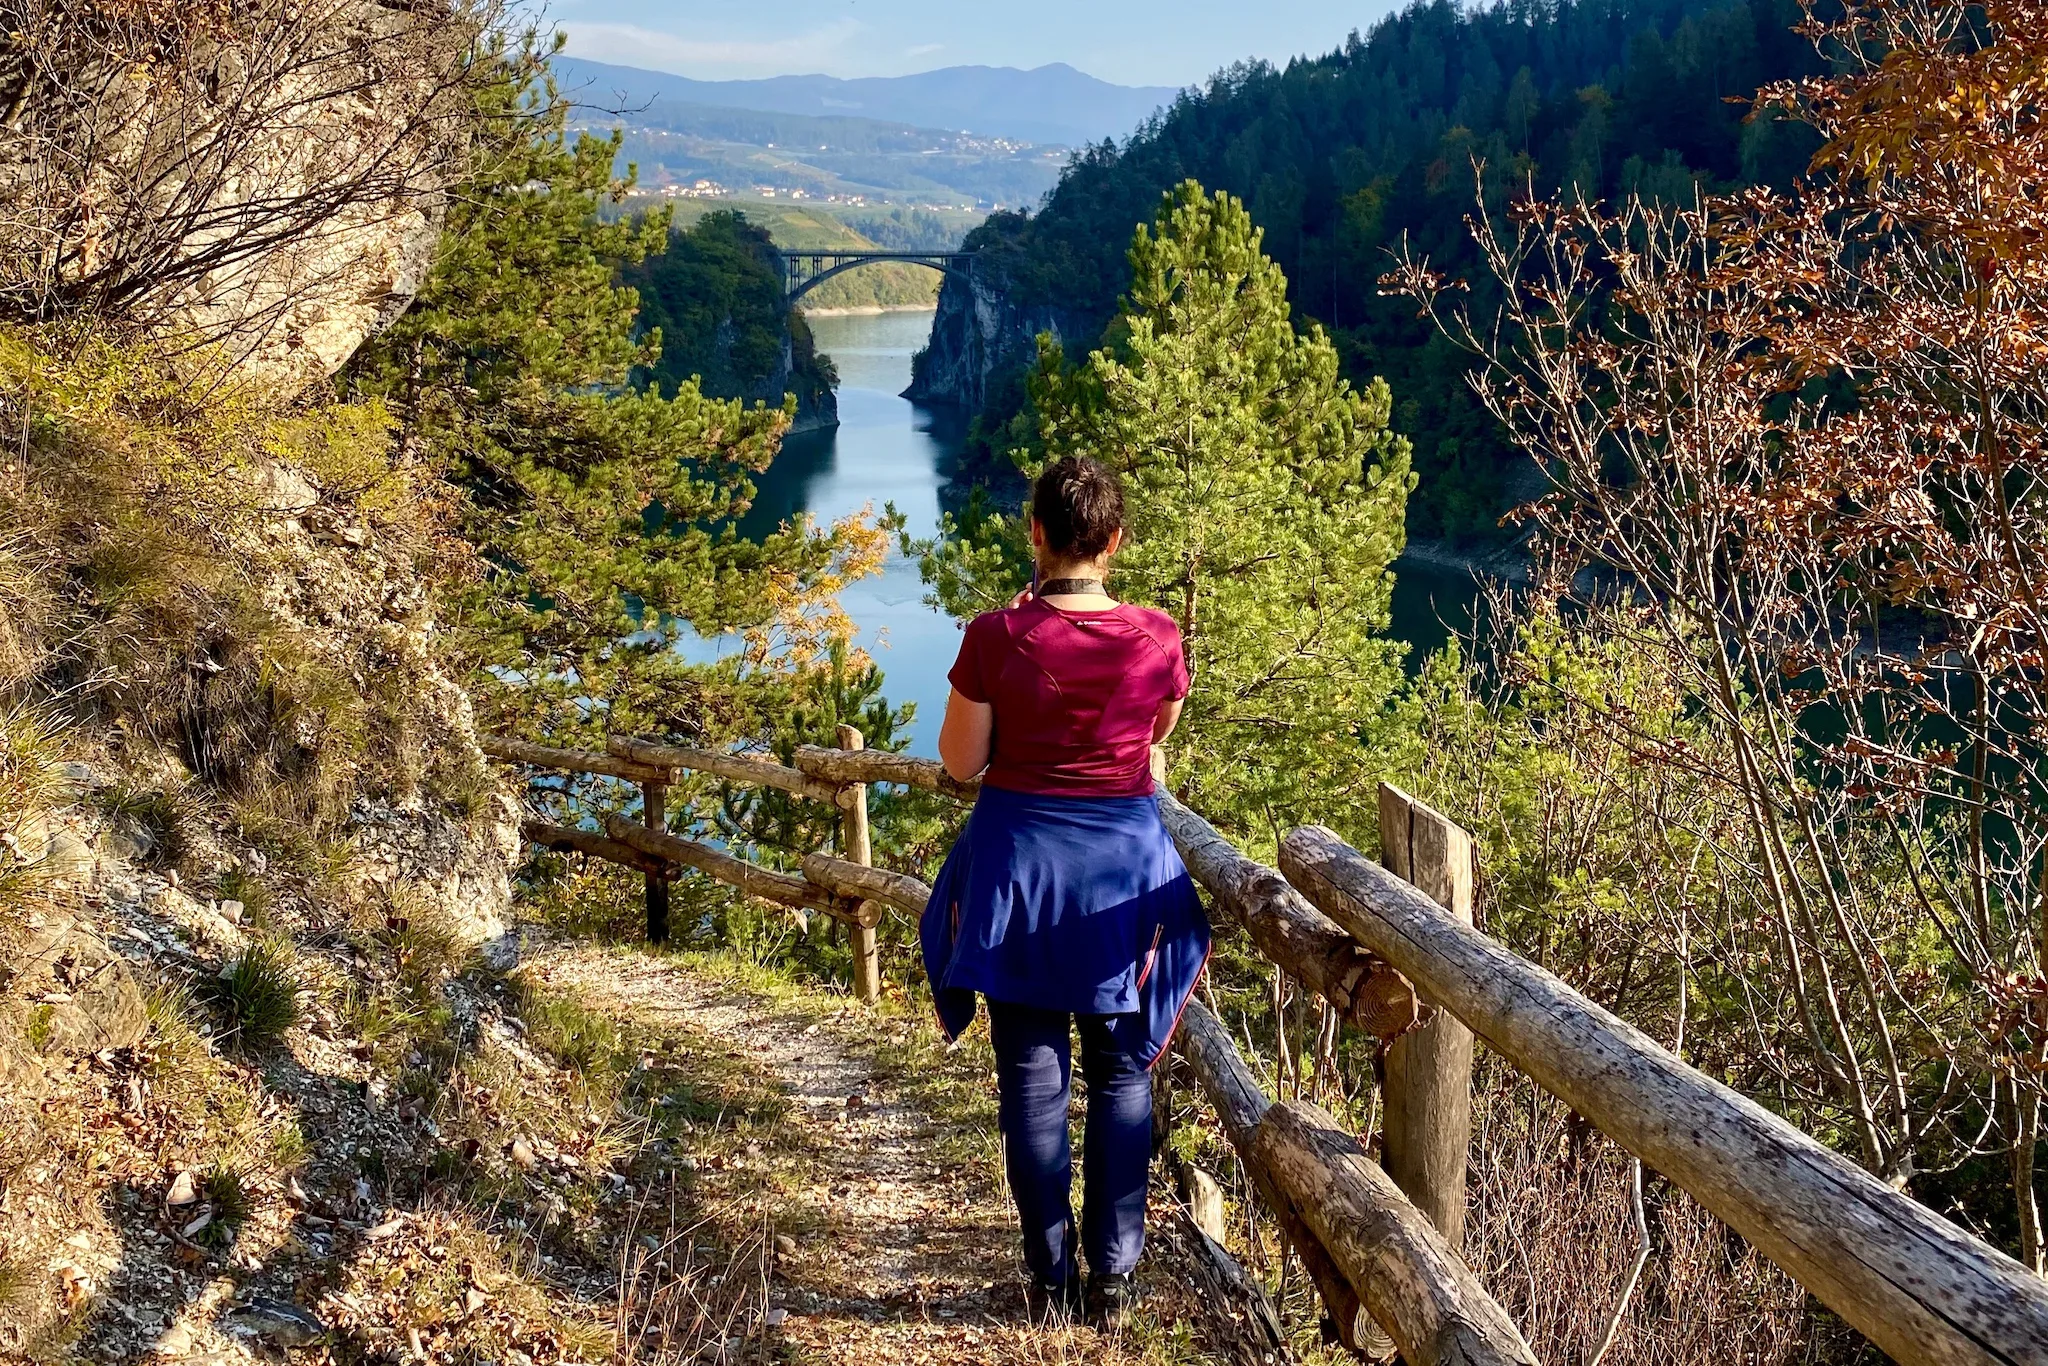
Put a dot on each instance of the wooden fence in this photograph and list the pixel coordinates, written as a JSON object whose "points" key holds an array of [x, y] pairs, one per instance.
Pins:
{"points": [[1394, 951]]}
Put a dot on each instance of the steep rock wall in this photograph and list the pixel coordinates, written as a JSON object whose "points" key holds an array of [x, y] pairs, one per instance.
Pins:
{"points": [[266, 178], [817, 406], [979, 334]]}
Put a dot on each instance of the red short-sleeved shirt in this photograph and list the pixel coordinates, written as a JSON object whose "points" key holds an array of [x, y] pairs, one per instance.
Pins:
{"points": [[1076, 694]]}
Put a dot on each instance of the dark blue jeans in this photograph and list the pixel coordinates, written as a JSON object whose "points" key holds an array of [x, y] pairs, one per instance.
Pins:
{"points": [[1034, 1070]]}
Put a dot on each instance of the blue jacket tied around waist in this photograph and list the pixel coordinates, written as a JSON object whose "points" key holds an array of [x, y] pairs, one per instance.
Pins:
{"points": [[1067, 903]]}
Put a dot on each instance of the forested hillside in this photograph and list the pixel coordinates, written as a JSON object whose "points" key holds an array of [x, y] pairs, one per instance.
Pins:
{"points": [[716, 296], [1341, 157]]}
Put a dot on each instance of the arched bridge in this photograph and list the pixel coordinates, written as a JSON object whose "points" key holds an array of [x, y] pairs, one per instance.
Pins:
{"points": [[803, 271]]}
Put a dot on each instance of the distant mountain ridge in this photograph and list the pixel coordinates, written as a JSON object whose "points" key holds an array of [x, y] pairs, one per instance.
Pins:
{"points": [[1047, 104]]}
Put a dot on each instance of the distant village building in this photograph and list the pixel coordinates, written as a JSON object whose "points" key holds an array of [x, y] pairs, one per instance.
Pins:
{"points": [[702, 189]]}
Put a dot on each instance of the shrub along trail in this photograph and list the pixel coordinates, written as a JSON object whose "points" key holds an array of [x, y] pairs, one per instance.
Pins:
{"points": [[880, 1181]]}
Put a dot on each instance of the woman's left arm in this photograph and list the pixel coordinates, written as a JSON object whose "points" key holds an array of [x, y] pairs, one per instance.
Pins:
{"points": [[966, 735], [1169, 717]]}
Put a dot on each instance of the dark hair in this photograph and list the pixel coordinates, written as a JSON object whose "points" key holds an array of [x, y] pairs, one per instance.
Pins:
{"points": [[1080, 503]]}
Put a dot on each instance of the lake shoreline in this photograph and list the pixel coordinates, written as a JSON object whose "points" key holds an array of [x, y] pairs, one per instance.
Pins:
{"points": [[867, 310]]}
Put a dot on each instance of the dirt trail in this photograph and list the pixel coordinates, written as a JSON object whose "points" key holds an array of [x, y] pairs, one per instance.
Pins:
{"points": [[906, 1256]]}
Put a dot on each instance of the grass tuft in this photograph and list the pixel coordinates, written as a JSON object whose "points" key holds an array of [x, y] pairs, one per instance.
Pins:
{"points": [[29, 740], [29, 750], [421, 938], [226, 1192], [258, 995], [470, 788], [582, 1040], [239, 884], [17, 1285]]}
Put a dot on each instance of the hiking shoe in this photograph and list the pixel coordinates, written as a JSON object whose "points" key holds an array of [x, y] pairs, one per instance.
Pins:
{"points": [[1111, 1298], [1047, 1303]]}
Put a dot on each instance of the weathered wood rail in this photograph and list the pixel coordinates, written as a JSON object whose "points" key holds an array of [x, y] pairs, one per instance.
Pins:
{"points": [[1360, 1237], [1394, 951], [1912, 1282], [847, 889]]}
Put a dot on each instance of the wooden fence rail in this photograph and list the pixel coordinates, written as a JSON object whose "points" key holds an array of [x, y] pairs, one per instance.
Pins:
{"points": [[569, 839], [1360, 1238], [739, 768], [1912, 1282], [571, 760], [1309, 946], [851, 879], [781, 888], [880, 766]]}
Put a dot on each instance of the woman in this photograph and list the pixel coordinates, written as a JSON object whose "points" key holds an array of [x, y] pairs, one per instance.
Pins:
{"points": [[1064, 902]]}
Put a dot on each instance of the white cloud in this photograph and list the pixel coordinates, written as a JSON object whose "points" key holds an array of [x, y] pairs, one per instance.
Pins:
{"points": [[711, 58], [924, 49]]}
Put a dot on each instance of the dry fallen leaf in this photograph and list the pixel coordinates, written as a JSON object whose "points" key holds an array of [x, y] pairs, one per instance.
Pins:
{"points": [[78, 1286]]}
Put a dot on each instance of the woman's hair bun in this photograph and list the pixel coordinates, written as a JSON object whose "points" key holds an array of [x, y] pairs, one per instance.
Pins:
{"points": [[1080, 504]]}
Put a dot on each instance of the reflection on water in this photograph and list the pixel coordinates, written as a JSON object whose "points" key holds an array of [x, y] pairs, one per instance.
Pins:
{"points": [[885, 450], [888, 450]]}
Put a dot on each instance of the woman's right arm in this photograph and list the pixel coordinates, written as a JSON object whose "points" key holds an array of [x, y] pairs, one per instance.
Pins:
{"points": [[965, 736], [1162, 726]]}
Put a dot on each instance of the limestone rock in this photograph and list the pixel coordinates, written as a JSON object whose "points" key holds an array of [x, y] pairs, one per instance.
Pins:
{"points": [[978, 333], [285, 492], [106, 1008], [68, 857], [278, 1322], [273, 183], [28, 839], [83, 777], [128, 839]]}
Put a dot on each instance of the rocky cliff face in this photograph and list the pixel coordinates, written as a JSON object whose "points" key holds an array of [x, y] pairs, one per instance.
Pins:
{"points": [[794, 372], [817, 407], [144, 869], [267, 178], [979, 334]]}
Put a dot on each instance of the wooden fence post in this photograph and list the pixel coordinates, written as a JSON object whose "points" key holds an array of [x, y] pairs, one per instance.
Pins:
{"points": [[867, 955], [1429, 1070], [654, 815]]}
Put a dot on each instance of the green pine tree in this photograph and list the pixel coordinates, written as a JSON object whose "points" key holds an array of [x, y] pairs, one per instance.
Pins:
{"points": [[1265, 498], [602, 512]]}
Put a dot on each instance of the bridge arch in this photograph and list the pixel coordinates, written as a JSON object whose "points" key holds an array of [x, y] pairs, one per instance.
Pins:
{"points": [[803, 271]]}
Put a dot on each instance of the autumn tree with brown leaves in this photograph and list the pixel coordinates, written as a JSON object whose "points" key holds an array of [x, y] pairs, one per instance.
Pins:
{"points": [[1799, 444]]}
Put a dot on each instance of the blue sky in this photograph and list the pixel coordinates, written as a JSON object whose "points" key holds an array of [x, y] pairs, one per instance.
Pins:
{"points": [[1131, 42]]}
